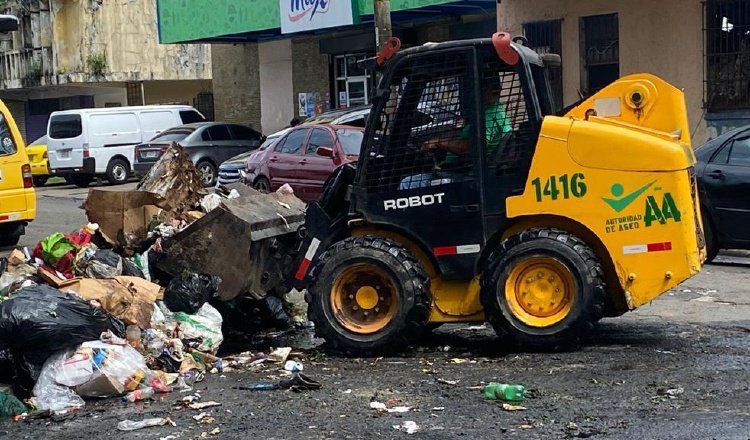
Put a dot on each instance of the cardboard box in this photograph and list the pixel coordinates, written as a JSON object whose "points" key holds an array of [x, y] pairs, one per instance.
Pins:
{"points": [[129, 298], [100, 385], [123, 216]]}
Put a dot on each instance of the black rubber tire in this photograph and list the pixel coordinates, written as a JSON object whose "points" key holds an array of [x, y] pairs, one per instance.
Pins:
{"points": [[588, 306], [82, 180], [712, 242], [40, 180], [204, 164], [413, 294], [68, 180], [262, 184], [10, 234], [118, 172]]}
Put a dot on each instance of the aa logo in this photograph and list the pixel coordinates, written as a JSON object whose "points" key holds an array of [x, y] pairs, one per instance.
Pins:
{"points": [[662, 213]]}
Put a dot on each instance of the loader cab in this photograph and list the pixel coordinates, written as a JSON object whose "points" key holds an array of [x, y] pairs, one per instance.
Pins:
{"points": [[442, 180]]}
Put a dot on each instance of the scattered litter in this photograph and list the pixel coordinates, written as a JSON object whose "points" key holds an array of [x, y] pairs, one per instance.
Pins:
{"points": [[10, 406], [347, 391], [280, 354], [203, 405], [506, 392], [438, 408], [204, 418], [449, 382], [509, 407], [686, 291], [409, 427], [664, 351], [382, 407], [293, 366], [461, 361], [130, 425], [705, 299]]}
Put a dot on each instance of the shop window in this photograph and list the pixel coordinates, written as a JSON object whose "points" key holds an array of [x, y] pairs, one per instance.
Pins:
{"points": [[727, 55], [600, 54], [546, 37], [353, 82]]}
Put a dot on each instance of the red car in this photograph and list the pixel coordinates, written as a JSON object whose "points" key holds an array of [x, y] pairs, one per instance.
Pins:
{"points": [[304, 158]]}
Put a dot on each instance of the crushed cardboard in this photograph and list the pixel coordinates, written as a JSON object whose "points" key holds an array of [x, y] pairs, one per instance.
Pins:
{"points": [[129, 298], [123, 216]]}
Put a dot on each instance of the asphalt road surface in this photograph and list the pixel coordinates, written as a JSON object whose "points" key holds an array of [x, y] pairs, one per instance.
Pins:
{"points": [[674, 369]]}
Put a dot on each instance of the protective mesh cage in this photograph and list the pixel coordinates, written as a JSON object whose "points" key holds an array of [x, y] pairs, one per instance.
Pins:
{"points": [[429, 127], [512, 152], [427, 104]]}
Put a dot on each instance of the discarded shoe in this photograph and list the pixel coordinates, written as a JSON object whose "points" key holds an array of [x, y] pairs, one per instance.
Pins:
{"points": [[299, 382]]}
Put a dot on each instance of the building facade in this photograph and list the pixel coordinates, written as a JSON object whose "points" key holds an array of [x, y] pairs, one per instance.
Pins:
{"points": [[700, 46], [95, 53], [274, 60]]}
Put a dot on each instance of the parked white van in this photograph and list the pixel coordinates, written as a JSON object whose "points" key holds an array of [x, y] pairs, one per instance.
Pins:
{"points": [[93, 142]]}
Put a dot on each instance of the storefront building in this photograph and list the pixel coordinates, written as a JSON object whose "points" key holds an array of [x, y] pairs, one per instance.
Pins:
{"points": [[274, 60], [700, 46]]}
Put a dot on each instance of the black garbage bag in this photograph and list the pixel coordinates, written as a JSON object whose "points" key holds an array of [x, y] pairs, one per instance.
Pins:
{"points": [[105, 263], [188, 293], [274, 314], [130, 269], [6, 364], [38, 321]]}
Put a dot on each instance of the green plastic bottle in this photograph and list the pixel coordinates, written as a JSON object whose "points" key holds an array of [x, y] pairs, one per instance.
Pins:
{"points": [[504, 391]]}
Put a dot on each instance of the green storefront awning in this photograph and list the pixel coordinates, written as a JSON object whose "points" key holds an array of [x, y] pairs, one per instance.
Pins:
{"points": [[183, 21]]}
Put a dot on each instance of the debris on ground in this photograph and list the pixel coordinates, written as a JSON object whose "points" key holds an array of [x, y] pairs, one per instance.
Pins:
{"points": [[509, 407], [409, 427], [130, 425], [502, 391], [133, 304]]}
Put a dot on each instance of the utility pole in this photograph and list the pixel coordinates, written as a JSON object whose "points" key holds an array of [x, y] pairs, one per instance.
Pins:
{"points": [[383, 29]]}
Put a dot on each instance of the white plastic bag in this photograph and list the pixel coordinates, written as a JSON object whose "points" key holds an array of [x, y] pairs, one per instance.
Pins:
{"points": [[51, 396], [205, 325]]}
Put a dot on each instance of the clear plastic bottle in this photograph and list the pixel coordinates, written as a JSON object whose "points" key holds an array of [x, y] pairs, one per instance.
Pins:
{"points": [[132, 425], [138, 395], [133, 335]]}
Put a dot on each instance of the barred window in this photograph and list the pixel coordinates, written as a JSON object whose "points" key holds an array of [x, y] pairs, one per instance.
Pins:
{"points": [[727, 56]]}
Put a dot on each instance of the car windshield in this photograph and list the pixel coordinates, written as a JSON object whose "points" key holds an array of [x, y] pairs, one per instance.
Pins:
{"points": [[174, 135], [351, 140]]}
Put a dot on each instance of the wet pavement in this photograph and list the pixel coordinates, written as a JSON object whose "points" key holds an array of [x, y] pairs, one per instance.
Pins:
{"points": [[676, 368]]}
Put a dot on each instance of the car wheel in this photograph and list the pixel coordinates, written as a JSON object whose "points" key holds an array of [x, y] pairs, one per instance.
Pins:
{"points": [[82, 180], [545, 290], [207, 171], [118, 172], [40, 180], [69, 180], [10, 234], [263, 185]]}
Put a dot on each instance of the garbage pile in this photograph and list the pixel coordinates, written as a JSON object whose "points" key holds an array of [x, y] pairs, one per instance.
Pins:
{"points": [[122, 307]]}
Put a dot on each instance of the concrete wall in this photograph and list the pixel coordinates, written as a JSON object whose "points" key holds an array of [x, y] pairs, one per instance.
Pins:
{"points": [[664, 38], [126, 31], [236, 83], [309, 70], [277, 98], [172, 92]]}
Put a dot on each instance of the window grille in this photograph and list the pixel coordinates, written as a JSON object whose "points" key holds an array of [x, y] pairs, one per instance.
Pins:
{"points": [[546, 37], [727, 55]]}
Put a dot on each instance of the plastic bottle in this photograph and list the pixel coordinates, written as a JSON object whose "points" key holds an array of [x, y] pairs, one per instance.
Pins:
{"points": [[138, 395], [132, 425], [133, 335], [504, 391]]}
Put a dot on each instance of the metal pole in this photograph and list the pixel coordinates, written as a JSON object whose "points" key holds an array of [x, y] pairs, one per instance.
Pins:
{"points": [[383, 29]]}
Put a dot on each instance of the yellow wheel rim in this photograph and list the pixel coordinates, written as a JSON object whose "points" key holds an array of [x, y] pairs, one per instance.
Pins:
{"points": [[364, 299], [540, 291]]}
